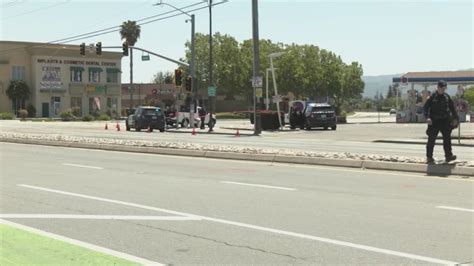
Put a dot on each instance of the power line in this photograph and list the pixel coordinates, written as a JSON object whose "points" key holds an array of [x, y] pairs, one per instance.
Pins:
{"points": [[112, 29], [38, 9], [106, 29]]}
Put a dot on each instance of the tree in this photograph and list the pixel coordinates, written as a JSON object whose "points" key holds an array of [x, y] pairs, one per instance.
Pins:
{"points": [[18, 91], [130, 31], [304, 70], [163, 78], [469, 96]]}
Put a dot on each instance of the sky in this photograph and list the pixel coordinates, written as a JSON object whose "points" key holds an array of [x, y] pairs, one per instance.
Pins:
{"points": [[386, 37]]}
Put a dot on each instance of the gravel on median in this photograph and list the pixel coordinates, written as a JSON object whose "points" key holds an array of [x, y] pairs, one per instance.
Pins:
{"points": [[223, 148]]}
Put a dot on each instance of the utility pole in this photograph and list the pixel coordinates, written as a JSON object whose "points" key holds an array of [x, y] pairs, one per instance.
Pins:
{"points": [[132, 88], [210, 98], [256, 69]]}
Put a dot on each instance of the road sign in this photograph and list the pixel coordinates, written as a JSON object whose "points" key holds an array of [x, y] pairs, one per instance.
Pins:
{"points": [[257, 82], [258, 92], [211, 91], [146, 57], [276, 98]]}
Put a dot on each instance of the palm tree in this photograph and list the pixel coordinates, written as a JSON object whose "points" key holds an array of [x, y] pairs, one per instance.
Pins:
{"points": [[130, 31]]}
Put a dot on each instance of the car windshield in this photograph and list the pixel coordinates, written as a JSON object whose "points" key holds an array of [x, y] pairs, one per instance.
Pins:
{"points": [[150, 112]]}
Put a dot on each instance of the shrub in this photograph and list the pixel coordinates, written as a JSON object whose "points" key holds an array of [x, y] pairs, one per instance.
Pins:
{"points": [[31, 110], [23, 114], [103, 117], [6, 116], [76, 111], [67, 115], [88, 117]]}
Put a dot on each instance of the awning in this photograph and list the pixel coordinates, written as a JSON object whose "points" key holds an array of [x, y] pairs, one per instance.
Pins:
{"points": [[113, 70], [95, 69], [76, 68]]}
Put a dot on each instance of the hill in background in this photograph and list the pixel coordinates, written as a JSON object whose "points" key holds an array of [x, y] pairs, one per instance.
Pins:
{"points": [[377, 83]]}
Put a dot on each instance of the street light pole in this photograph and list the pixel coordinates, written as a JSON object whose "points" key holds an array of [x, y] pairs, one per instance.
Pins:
{"points": [[274, 55], [193, 55], [193, 73]]}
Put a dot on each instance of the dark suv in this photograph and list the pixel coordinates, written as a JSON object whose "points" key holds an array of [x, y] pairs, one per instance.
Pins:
{"points": [[320, 115], [146, 117]]}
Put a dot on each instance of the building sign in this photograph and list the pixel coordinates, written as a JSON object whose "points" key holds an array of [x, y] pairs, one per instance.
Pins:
{"points": [[95, 89], [50, 78], [75, 62]]}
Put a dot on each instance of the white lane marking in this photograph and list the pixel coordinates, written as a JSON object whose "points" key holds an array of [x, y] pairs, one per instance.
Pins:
{"points": [[455, 208], [257, 185], [266, 229], [112, 201], [97, 217], [82, 244], [82, 166]]}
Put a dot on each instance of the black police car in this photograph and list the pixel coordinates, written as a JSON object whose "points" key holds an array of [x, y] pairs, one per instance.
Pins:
{"points": [[320, 115], [146, 117]]}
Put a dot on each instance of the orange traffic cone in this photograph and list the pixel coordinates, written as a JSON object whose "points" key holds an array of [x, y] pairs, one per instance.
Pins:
{"points": [[194, 131], [237, 134], [106, 127], [148, 130], [118, 126]]}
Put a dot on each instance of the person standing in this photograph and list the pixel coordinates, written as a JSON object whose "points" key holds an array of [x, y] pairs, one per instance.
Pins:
{"points": [[202, 114], [440, 116]]}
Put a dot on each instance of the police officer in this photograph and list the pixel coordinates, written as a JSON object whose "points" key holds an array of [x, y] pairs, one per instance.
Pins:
{"points": [[440, 116]]}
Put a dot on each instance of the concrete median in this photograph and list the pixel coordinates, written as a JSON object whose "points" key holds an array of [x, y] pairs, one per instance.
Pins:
{"points": [[439, 170]]}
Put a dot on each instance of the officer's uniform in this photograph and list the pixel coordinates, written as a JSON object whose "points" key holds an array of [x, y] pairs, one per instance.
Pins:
{"points": [[440, 109]]}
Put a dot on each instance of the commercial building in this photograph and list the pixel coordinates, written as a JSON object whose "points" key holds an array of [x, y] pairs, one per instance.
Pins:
{"points": [[60, 79]]}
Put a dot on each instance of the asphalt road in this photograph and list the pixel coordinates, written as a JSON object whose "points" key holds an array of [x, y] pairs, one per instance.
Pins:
{"points": [[232, 212], [353, 138]]}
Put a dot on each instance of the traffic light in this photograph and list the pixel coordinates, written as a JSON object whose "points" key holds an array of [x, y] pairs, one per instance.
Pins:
{"points": [[83, 48], [98, 48], [178, 77], [125, 49], [188, 83]]}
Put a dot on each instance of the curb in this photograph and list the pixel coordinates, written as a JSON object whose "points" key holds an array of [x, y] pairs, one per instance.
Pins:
{"points": [[438, 170], [418, 142]]}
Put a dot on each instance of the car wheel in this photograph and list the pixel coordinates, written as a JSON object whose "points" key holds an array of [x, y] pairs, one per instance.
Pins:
{"points": [[185, 123], [325, 128], [333, 127], [126, 126], [308, 127], [162, 129]]}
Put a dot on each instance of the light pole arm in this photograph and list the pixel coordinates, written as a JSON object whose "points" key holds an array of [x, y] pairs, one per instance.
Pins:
{"points": [[180, 10]]}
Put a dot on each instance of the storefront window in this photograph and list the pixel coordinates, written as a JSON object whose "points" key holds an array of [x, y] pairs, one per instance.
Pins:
{"points": [[18, 73], [112, 77], [94, 75], [112, 105], [76, 76], [76, 106]]}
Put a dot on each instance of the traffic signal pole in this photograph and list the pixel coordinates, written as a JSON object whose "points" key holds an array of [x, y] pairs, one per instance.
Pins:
{"points": [[193, 72], [256, 68]]}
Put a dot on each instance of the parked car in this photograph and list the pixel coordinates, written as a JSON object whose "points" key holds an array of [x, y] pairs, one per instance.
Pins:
{"points": [[171, 118], [320, 115], [146, 117]]}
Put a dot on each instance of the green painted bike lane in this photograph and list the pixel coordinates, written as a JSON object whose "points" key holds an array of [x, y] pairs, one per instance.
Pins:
{"points": [[19, 247]]}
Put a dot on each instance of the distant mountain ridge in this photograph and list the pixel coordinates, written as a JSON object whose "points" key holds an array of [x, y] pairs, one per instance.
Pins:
{"points": [[377, 83]]}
